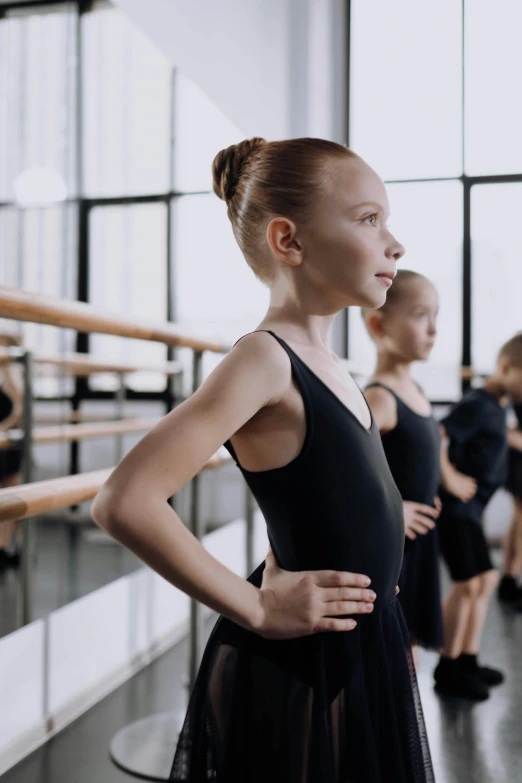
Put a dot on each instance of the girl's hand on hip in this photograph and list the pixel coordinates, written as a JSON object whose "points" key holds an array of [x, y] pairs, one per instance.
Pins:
{"points": [[301, 603]]}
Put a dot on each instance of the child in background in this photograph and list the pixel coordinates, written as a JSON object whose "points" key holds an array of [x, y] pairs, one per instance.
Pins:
{"points": [[11, 405], [404, 332], [509, 590], [472, 469]]}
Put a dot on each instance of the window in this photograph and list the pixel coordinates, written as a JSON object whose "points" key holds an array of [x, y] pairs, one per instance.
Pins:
{"points": [[493, 65], [128, 275], [127, 86], [405, 88], [497, 269], [38, 220], [426, 217], [424, 107]]}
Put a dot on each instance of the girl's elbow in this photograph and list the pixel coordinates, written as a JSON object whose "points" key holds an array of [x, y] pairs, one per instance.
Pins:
{"points": [[105, 512]]}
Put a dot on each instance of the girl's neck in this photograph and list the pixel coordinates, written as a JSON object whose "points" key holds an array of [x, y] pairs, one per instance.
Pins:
{"points": [[392, 366], [494, 386]]}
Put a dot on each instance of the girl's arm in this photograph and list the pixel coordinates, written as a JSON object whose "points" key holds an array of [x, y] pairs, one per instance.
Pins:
{"points": [[514, 438], [132, 506], [458, 484], [14, 419]]}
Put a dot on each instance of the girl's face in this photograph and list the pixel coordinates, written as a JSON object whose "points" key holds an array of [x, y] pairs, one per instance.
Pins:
{"points": [[348, 252], [511, 379], [410, 327]]}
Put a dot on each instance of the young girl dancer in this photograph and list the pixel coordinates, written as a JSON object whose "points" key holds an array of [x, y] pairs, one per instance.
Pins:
{"points": [[509, 590], [307, 675], [473, 468], [404, 332]]}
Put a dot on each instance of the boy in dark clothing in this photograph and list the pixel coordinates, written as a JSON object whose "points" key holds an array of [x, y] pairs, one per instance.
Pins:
{"points": [[473, 467]]}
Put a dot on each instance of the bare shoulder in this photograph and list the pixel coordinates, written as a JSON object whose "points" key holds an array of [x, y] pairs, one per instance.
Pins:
{"points": [[256, 358], [384, 407], [254, 374]]}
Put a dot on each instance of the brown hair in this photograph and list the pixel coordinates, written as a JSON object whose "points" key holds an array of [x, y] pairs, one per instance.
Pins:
{"points": [[396, 292], [258, 179], [512, 350]]}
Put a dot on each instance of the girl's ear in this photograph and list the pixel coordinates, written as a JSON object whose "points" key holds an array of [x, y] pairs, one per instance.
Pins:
{"points": [[374, 323], [281, 237]]}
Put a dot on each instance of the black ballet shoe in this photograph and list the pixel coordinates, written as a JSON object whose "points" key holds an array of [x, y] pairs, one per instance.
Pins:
{"points": [[452, 680], [485, 674], [4, 559], [10, 559], [14, 559], [509, 591]]}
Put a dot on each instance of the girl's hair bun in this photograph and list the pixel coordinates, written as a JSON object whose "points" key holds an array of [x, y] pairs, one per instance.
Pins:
{"points": [[229, 165]]}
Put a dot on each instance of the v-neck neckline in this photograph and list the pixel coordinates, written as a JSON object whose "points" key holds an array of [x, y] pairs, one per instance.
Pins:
{"points": [[367, 430]]}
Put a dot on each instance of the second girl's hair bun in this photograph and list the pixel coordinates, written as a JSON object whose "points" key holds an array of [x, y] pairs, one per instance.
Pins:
{"points": [[229, 164]]}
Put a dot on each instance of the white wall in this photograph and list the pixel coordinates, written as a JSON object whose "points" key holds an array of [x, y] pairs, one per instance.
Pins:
{"points": [[274, 68], [267, 64]]}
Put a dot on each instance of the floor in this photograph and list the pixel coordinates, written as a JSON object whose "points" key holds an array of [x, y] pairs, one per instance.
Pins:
{"points": [[479, 743]]}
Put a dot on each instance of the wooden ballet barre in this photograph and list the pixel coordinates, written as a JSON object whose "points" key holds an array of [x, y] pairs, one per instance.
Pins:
{"points": [[72, 432], [27, 500], [468, 373], [79, 416], [84, 364], [24, 306]]}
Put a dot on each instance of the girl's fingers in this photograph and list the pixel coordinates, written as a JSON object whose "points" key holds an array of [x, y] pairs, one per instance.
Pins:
{"points": [[331, 624], [421, 521], [333, 608], [346, 594], [411, 535], [328, 578], [415, 527], [427, 510]]}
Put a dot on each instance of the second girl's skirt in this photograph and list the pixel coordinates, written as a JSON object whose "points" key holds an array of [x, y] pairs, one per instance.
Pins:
{"points": [[463, 546], [420, 590], [335, 707]]}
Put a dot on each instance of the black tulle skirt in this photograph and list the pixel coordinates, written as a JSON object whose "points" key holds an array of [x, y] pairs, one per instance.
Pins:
{"points": [[336, 707], [420, 595]]}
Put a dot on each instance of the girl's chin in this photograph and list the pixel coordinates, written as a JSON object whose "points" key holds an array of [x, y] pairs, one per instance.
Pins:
{"points": [[375, 302]]}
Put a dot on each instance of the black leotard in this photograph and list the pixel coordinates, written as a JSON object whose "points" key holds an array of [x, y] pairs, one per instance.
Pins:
{"points": [[413, 452], [332, 706]]}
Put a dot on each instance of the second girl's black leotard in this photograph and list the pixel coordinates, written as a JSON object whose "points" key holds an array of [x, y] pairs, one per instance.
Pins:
{"points": [[413, 452], [331, 707]]}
